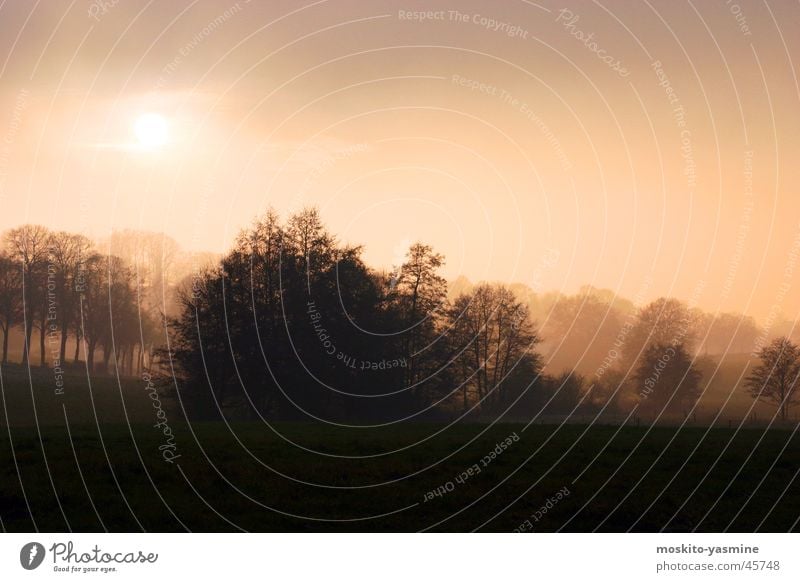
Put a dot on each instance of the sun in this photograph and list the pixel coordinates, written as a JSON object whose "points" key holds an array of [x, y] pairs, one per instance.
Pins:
{"points": [[152, 131]]}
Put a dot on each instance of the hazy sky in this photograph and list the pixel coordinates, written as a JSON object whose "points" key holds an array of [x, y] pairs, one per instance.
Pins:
{"points": [[650, 148]]}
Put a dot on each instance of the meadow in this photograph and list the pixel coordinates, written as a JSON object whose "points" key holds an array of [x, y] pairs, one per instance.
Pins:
{"points": [[105, 469]]}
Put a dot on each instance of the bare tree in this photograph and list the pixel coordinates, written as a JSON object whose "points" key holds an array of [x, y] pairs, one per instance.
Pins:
{"points": [[312, 245], [492, 333], [10, 299], [67, 253], [775, 380], [28, 247], [419, 292], [108, 308]]}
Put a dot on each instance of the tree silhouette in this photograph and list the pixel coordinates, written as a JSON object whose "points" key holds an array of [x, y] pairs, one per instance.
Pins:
{"points": [[28, 247], [10, 299], [664, 321], [420, 293], [67, 253], [57, 283], [108, 308], [291, 324], [666, 379], [491, 335], [775, 379]]}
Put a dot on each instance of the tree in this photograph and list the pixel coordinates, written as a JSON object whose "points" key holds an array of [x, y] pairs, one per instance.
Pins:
{"points": [[667, 379], [287, 325], [293, 325], [774, 381], [10, 299], [583, 330], [28, 247], [491, 334], [727, 333], [153, 256], [664, 321], [67, 253], [108, 307], [420, 292], [565, 394], [309, 244]]}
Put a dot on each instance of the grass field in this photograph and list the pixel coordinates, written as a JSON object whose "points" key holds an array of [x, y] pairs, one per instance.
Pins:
{"points": [[251, 478], [93, 476]]}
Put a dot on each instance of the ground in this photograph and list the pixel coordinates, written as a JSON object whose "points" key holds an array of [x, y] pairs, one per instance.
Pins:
{"points": [[109, 474]]}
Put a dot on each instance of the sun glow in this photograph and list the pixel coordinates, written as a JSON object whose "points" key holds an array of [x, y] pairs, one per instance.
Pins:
{"points": [[152, 131]]}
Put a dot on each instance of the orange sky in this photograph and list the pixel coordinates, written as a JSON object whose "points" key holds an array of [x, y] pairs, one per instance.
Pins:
{"points": [[494, 131]]}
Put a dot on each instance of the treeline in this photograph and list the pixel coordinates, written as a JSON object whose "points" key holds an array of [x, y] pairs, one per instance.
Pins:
{"points": [[62, 289], [653, 357], [292, 324], [580, 329]]}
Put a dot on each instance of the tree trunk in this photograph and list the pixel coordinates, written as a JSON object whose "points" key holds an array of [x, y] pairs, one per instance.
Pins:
{"points": [[26, 348], [106, 357], [42, 338], [5, 344], [62, 353], [90, 347]]}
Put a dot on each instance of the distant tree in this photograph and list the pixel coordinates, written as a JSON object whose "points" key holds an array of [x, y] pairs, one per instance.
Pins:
{"points": [[775, 380], [666, 378], [108, 308], [152, 256], [581, 331], [610, 391], [665, 322], [10, 299], [727, 333], [121, 331], [67, 253], [28, 246], [607, 296], [460, 286], [491, 333]]}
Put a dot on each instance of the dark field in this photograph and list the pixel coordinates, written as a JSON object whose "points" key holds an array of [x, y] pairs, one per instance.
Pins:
{"points": [[305, 477], [253, 479]]}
